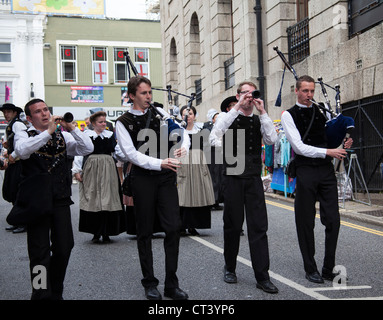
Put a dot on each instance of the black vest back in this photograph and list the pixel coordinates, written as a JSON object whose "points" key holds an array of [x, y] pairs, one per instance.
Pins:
{"points": [[10, 134], [249, 163], [317, 135]]}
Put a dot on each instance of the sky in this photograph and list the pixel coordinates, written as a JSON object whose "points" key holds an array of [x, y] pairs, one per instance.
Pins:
{"points": [[129, 9]]}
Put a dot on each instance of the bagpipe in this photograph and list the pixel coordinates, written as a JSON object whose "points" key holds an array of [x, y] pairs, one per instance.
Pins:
{"points": [[166, 120], [338, 126]]}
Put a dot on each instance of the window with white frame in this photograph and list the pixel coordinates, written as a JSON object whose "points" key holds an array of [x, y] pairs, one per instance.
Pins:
{"points": [[120, 71], [68, 57], [141, 61], [5, 52], [100, 65]]}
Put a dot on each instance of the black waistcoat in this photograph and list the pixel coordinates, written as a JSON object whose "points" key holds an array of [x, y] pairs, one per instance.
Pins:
{"points": [[152, 146], [51, 158], [10, 134], [317, 135], [251, 143]]}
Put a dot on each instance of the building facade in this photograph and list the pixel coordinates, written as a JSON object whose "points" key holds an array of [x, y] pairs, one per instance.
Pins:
{"points": [[21, 57], [209, 47], [85, 63]]}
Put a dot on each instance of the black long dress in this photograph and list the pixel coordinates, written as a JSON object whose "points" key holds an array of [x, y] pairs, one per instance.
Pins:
{"points": [[101, 208]]}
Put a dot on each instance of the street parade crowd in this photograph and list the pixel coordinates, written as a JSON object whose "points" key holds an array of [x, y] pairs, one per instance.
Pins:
{"points": [[150, 172]]}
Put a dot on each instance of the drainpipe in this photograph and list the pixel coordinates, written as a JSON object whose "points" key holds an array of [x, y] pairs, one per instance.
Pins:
{"points": [[261, 76]]}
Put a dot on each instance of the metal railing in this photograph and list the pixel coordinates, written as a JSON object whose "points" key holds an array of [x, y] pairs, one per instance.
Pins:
{"points": [[298, 41], [368, 138]]}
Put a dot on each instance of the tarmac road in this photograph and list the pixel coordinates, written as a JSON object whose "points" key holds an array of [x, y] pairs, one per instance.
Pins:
{"points": [[112, 271]]}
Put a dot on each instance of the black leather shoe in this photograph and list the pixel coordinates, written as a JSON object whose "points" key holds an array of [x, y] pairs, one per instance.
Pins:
{"points": [[152, 293], [193, 232], [175, 294], [314, 277], [19, 230], [327, 274], [267, 286], [229, 277], [11, 228]]}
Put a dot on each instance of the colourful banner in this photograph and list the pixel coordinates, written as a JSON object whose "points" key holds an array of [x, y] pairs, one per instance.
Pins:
{"points": [[64, 7], [87, 94]]}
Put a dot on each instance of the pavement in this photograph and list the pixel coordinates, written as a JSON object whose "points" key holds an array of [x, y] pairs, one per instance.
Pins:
{"points": [[359, 207]]}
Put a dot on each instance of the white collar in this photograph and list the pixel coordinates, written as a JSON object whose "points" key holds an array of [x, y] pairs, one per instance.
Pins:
{"points": [[303, 105], [104, 134]]}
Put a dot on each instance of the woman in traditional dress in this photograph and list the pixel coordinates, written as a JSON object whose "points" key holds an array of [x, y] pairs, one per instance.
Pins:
{"points": [[101, 208], [195, 188]]}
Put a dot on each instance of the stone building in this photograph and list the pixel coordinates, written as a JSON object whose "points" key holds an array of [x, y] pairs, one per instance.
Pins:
{"points": [[210, 46]]}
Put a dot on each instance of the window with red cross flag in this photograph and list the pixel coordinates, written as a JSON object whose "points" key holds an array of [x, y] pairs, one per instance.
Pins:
{"points": [[100, 72], [141, 59], [142, 69]]}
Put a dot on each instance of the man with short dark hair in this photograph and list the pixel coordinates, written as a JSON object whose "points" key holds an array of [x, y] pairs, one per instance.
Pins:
{"points": [[154, 187], [242, 183], [315, 178], [44, 150]]}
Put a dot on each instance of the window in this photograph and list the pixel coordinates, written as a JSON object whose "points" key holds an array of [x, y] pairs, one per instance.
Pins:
{"points": [[141, 61], [229, 73], [120, 71], [99, 64], [298, 34], [5, 52], [298, 41], [302, 10], [364, 14], [68, 64]]}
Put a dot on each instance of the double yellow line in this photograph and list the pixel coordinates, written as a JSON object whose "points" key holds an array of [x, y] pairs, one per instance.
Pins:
{"points": [[347, 224]]}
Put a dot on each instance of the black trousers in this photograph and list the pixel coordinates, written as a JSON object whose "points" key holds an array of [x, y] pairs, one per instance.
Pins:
{"points": [[317, 183], [157, 195], [240, 194], [50, 242]]}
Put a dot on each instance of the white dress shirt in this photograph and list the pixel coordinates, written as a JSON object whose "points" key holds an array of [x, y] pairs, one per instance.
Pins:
{"points": [[295, 139], [132, 154], [225, 119], [77, 143]]}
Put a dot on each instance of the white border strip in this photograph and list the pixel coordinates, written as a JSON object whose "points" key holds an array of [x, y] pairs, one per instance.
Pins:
{"points": [[294, 285]]}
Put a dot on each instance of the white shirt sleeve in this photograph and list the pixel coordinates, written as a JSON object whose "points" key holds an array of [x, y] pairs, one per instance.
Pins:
{"points": [[17, 126], [77, 143], [25, 145], [295, 139], [127, 147], [77, 164], [269, 134], [224, 121]]}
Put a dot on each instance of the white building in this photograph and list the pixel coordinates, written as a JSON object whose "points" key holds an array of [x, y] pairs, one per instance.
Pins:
{"points": [[21, 55]]}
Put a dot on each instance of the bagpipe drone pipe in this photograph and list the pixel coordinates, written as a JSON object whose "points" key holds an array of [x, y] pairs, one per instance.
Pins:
{"points": [[166, 120], [338, 126]]}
